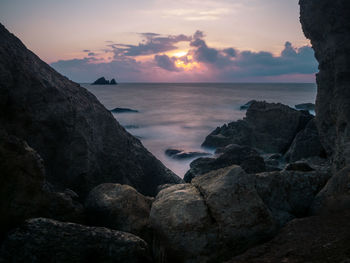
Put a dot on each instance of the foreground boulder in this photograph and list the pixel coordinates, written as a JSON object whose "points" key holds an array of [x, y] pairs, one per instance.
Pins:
{"points": [[81, 143], [23, 190], [290, 194], [270, 127], [326, 24], [243, 156], [219, 215], [119, 207], [314, 239], [44, 240]]}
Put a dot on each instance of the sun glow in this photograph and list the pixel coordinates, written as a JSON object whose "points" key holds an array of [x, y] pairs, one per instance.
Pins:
{"points": [[186, 66], [179, 54]]}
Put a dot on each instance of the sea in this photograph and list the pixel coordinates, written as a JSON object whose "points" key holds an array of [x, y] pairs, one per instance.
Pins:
{"points": [[181, 115]]}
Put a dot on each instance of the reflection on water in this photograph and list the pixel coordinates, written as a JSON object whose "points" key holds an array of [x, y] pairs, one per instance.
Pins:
{"points": [[181, 115]]}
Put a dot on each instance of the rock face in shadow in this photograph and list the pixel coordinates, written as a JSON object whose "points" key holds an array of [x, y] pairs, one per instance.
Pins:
{"points": [[119, 207], [270, 127], [314, 239], [44, 240], [219, 215], [81, 143], [326, 24], [23, 191]]}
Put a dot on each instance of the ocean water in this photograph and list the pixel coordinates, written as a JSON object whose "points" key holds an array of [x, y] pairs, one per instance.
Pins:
{"points": [[180, 116]]}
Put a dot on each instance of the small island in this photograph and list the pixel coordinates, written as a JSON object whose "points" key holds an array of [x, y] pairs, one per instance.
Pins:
{"points": [[103, 81]]}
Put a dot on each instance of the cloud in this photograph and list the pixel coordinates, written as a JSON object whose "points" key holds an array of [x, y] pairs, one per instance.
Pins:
{"points": [[165, 62], [201, 63]]}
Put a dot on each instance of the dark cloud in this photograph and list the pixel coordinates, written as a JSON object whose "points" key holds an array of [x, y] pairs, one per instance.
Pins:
{"points": [[165, 62], [230, 52], [86, 50]]}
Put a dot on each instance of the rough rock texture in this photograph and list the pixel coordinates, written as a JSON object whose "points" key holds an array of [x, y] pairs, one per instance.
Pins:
{"points": [[289, 194], [119, 207], [327, 25], [335, 196], [305, 144], [312, 240], [23, 190], [44, 240], [219, 215], [81, 143], [270, 127], [243, 156]]}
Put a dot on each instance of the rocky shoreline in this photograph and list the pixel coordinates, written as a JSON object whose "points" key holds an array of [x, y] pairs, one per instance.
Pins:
{"points": [[77, 187]]}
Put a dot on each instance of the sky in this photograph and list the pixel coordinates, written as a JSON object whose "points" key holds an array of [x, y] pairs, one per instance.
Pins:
{"points": [[165, 40]]}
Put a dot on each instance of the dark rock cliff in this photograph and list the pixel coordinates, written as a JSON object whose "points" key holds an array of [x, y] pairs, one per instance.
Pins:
{"points": [[82, 145], [327, 24]]}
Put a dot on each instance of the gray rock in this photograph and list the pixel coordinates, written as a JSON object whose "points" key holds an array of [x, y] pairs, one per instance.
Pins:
{"points": [[289, 194], [299, 166], [124, 110], [244, 156], [183, 155], [119, 207], [81, 143], [247, 105], [306, 144], [44, 240], [326, 24], [219, 215], [270, 127]]}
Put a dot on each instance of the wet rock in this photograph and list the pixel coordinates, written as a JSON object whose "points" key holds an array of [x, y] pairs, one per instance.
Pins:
{"points": [[101, 81], [183, 155], [270, 127], [306, 144], [305, 106], [218, 215], [45, 240], [80, 141], [248, 158], [326, 24], [247, 105], [119, 207], [113, 82], [124, 110]]}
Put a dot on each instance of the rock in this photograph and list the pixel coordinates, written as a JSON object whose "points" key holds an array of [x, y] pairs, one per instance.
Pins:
{"points": [[299, 166], [305, 106], [313, 239], [220, 214], [306, 144], [45, 240], [270, 127], [23, 190], [119, 207], [113, 82], [81, 143], [247, 105], [182, 155], [124, 110], [101, 81], [335, 196], [326, 24], [289, 194], [244, 156]]}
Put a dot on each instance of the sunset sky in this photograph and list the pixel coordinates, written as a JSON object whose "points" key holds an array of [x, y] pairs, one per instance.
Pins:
{"points": [[165, 40]]}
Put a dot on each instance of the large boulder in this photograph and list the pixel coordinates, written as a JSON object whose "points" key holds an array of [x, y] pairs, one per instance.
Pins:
{"points": [[219, 215], [119, 207], [326, 23], [270, 127], [23, 190], [44, 240], [244, 156], [290, 194], [81, 143], [306, 144]]}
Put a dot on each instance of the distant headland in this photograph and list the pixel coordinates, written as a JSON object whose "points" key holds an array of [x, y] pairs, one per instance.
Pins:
{"points": [[103, 81]]}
